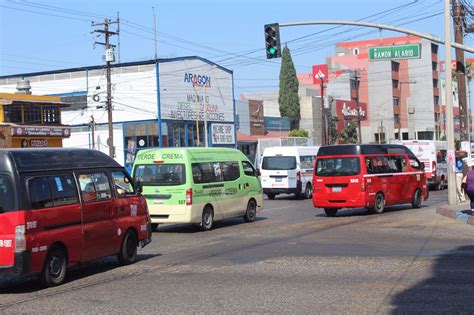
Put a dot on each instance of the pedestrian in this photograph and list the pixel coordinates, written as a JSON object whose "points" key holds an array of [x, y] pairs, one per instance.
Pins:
{"points": [[468, 186], [458, 169]]}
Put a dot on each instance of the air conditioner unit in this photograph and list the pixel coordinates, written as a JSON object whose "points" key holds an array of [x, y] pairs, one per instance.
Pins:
{"points": [[411, 110]]}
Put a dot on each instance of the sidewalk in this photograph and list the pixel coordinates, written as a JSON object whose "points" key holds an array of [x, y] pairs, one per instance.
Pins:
{"points": [[460, 212]]}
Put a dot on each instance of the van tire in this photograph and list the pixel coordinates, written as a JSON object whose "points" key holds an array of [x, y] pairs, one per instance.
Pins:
{"points": [[271, 196], [379, 204], [128, 249], [251, 212], [330, 212], [154, 227], [308, 192], [207, 219], [417, 199], [54, 268]]}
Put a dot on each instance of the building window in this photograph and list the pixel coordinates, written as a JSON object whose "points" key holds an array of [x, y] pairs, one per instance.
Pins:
{"points": [[32, 115], [395, 84], [380, 136], [434, 65], [434, 49], [436, 100], [425, 135], [12, 113], [395, 66], [435, 83], [51, 115], [396, 118], [355, 51], [396, 101]]}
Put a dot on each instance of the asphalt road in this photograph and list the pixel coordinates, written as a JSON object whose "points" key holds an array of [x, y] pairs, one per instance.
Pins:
{"points": [[293, 259]]}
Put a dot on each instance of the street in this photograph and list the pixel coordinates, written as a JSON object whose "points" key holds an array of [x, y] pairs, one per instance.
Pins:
{"points": [[293, 259]]}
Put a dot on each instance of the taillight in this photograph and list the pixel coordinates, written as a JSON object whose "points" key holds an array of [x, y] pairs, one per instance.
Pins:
{"points": [[298, 176], [433, 167], [189, 197], [362, 187], [20, 242]]}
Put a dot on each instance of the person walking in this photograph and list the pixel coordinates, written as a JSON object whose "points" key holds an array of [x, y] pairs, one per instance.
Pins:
{"points": [[468, 186], [458, 169]]}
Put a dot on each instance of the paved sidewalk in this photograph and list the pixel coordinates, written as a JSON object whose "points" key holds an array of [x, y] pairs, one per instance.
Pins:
{"points": [[461, 212]]}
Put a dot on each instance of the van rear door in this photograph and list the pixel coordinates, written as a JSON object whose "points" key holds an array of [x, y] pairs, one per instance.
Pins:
{"points": [[9, 219], [279, 172], [338, 180]]}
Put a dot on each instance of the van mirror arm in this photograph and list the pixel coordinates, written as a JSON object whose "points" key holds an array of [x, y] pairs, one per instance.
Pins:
{"points": [[139, 186]]}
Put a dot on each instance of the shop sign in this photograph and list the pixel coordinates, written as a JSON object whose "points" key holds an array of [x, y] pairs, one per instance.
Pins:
{"points": [[348, 110], [41, 132], [223, 134], [39, 143]]}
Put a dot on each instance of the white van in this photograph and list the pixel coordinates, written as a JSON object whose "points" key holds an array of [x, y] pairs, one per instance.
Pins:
{"points": [[433, 154], [288, 170]]}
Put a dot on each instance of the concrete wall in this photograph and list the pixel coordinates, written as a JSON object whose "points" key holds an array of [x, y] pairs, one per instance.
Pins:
{"points": [[242, 110]]}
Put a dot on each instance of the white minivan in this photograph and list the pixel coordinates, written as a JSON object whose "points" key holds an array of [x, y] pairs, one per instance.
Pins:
{"points": [[288, 170]]}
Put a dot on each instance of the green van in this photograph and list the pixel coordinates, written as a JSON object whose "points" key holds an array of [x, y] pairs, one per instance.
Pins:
{"points": [[197, 185]]}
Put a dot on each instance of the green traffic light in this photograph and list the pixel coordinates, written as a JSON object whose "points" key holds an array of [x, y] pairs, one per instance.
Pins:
{"points": [[272, 50]]}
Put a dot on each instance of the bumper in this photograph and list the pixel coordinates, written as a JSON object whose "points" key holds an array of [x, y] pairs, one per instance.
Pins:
{"points": [[283, 190], [354, 203], [21, 266]]}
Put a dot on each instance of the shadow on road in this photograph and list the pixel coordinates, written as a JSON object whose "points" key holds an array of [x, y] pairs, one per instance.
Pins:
{"points": [[15, 285], [365, 212], [194, 228], [448, 291]]}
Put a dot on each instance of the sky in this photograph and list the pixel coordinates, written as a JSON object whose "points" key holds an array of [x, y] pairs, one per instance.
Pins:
{"points": [[42, 35]]}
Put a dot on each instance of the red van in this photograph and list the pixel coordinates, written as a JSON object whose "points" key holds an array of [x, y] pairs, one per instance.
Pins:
{"points": [[372, 176], [62, 207]]}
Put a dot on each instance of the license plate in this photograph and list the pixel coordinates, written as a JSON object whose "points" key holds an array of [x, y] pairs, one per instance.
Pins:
{"points": [[337, 189], [278, 179]]}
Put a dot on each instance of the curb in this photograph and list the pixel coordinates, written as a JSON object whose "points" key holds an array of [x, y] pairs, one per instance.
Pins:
{"points": [[461, 216]]}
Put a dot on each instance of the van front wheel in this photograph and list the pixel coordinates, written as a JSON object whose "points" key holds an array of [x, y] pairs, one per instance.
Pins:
{"points": [[251, 212], [54, 269], [128, 250]]}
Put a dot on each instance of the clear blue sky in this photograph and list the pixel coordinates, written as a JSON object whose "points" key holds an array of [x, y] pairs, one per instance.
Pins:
{"points": [[40, 35]]}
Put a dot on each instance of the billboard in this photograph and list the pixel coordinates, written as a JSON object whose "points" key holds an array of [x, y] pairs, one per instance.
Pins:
{"points": [[320, 72], [223, 133], [195, 90], [348, 110]]}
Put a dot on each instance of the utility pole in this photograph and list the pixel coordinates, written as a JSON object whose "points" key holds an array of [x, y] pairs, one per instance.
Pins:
{"points": [[154, 33], [323, 115], [458, 24], [355, 78], [109, 57], [92, 124]]}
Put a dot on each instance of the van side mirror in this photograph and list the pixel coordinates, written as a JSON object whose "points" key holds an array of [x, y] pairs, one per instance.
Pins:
{"points": [[139, 186], [422, 165]]}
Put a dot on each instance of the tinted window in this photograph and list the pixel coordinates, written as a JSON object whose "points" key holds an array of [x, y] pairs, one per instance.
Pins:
{"points": [[307, 162], [64, 190], [40, 193], [248, 169], [160, 174], [122, 184], [414, 162], [94, 187], [385, 164], [7, 195], [230, 171], [279, 163], [207, 173], [338, 166]]}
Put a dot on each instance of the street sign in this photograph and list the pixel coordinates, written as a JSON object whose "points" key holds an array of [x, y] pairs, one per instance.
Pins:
{"points": [[411, 51]]}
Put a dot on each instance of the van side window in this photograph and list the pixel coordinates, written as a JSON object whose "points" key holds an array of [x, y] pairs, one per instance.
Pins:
{"points": [[207, 172], [40, 193], [307, 162], [94, 187], [397, 164], [230, 171], [64, 190], [414, 162], [248, 169], [122, 184], [7, 200]]}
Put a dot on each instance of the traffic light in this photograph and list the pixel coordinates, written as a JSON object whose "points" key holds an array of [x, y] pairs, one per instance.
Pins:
{"points": [[272, 40]]}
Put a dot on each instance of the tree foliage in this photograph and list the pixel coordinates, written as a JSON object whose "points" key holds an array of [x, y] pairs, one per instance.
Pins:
{"points": [[333, 135], [349, 133], [298, 133], [288, 98]]}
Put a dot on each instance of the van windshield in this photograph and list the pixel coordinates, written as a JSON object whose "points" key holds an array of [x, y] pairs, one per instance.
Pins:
{"points": [[7, 195], [279, 163], [160, 174], [343, 166]]}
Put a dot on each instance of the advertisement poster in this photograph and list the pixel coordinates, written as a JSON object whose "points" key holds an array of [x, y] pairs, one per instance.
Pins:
{"points": [[223, 134]]}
